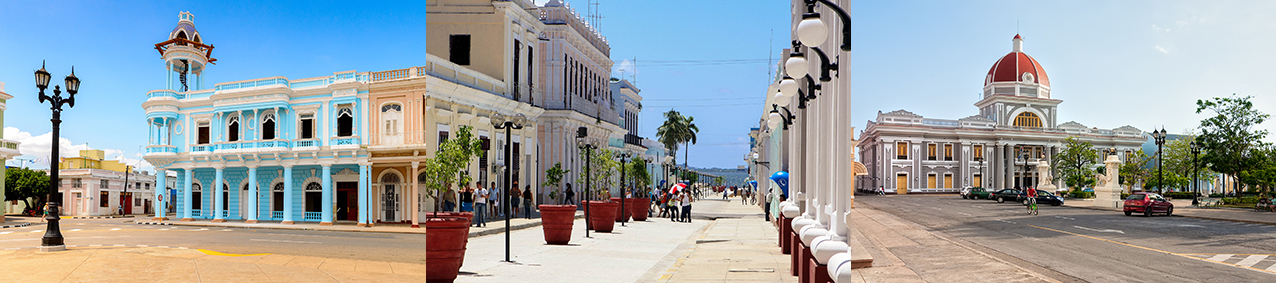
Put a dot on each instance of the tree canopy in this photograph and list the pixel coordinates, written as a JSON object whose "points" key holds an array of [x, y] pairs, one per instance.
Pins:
{"points": [[1228, 137], [1075, 163], [26, 184], [453, 155]]}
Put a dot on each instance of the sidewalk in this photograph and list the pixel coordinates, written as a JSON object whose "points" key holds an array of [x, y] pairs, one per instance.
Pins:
{"points": [[153, 264], [745, 249], [494, 226], [1184, 208]]}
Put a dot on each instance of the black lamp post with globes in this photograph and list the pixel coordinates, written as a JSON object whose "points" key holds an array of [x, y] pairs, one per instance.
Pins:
{"points": [[53, 240]]}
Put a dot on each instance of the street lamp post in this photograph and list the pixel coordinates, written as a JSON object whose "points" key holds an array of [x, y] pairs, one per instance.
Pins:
{"points": [[588, 147], [1196, 185], [624, 158], [53, 240], [499, 121], [1160, 176]]}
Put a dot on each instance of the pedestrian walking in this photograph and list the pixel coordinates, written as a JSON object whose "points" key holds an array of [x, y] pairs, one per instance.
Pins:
{"points": [[494, 198], [570, 195], [449, 199], [480, 205], [527, 202], [686, 208], [673, 206], [514, 197]]}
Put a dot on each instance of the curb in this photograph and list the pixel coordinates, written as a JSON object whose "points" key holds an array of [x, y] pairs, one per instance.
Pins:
{"points": [[105, 246], [100, 217], [23, 224], [152, 223]]}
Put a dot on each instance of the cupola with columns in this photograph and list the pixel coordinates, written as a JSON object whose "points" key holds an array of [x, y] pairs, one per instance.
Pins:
{"points": [[185, 53]]}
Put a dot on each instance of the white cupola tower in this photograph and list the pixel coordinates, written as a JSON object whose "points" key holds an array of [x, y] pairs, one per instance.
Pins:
{"points": [[1018, 43], [185, 54]]}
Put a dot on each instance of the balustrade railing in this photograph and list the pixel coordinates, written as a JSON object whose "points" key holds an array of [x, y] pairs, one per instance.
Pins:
{"points": [[389, 75], [164, 93], [253, 83], [312, 216], [196, 212], [161, 149], [276, 215], [201, 148], [306, 143], [351, 140]]}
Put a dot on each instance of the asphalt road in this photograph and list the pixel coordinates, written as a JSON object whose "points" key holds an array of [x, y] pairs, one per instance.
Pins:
{"points": [[348, 245], [1077, 244]]}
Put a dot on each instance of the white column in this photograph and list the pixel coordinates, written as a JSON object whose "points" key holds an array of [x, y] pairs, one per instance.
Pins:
{"points": [[326, 218], [415, 195], [161, 202], [186, 195]]}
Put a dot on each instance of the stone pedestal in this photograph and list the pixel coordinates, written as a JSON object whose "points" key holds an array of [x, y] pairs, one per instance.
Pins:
{"points": [[1107, 193]]}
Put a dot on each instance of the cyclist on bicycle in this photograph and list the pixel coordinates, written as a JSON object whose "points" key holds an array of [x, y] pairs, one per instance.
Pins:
{"points": [[1032, 196]]}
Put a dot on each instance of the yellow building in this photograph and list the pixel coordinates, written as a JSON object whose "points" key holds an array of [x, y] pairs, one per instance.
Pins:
{"points": [[91, 159]]}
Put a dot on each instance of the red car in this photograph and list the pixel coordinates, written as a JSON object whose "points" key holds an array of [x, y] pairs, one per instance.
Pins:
{"points": [[1147, 203]]}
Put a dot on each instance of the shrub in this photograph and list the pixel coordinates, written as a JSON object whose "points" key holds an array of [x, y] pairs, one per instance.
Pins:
{"points": [[1124, 195], [1241, 201], [1179, 195], [1216, 195], [1082, 194]]}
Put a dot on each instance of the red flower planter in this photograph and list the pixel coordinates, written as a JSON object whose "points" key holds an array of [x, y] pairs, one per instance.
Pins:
{"points": [[557, 223], [445, 247], [602, 215], [640, 208], [466, 215], [623, 216]]}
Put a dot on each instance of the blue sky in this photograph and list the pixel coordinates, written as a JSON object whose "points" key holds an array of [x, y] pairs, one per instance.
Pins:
{"points": [[1113, 63]]}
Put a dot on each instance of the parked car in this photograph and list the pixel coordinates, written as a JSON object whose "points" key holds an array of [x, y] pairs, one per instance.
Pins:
{"points": [[1147, 203], [1043, 197], [974, 193], [1004, 194]]}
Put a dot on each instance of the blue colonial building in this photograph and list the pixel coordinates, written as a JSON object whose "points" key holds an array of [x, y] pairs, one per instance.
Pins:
{"points": [[265, 149]]}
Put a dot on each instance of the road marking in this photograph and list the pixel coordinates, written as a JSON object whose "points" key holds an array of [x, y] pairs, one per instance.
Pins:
{"points": [[227, 230], [936, 208], [1251, 260], [963, 213], [284, 241], [202, 229], [165, 229], [2, 233], [1189, 225], [1221, 257], [1156, 250], [36, 231], [208, 252], [1097, 230], [1003, 220], [118, 245], [115, 229], [1063, 217]]}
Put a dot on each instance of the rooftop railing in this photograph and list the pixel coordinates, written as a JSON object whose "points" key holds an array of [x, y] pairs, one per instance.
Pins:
{"points": [[253, 83]]}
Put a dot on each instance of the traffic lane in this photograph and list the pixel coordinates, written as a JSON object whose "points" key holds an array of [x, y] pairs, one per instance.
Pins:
{"points": [[350, 245], [1066, 253], [1177, 233]]}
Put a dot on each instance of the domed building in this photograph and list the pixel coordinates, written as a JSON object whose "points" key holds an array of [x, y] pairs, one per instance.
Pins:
{"points": [[1016, 128]]}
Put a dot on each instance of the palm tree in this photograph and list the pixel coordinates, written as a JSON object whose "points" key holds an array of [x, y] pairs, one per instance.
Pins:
{"points": [[670, 133]]}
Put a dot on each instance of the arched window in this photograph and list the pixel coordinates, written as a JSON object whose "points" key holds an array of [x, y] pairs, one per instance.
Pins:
{"points": [[197, 197], [391, 115], [314, 197], [1027, 119], [268, 126], [225, 197], [278, 197], [345, 122], [232, 129]]}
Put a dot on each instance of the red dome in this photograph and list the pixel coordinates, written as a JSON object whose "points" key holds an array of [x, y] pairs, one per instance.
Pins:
{"points": [[1012, 67]]}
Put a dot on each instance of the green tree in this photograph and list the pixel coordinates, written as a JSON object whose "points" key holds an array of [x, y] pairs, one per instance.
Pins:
{"points": [[638, 176], [1229, 136], [1134, 170], [1178, 159], [453, 155], [554, 179], [678, 129], [1262, 175], [1075, 163], [602, 166], [26, 184]]}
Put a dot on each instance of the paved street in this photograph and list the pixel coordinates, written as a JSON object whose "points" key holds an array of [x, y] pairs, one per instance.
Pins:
{"points": [[1076, 244]]}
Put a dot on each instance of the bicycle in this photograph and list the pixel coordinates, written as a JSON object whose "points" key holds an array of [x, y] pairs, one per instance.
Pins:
{"points": [[1032, 206]]}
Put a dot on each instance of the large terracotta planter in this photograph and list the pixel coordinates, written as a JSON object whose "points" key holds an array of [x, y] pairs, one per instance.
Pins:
{"points": [[621, 217], [445, 247], [557, 223], [640, 208], [466, 215], [602, 215]]}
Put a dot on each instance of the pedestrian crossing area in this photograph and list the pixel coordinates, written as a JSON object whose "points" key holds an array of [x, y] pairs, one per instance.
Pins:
{"points": [[1263, 262]]}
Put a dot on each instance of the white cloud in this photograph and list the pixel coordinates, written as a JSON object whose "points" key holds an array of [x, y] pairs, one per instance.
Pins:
{"points": [[36, 150], [1162, 49]]}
